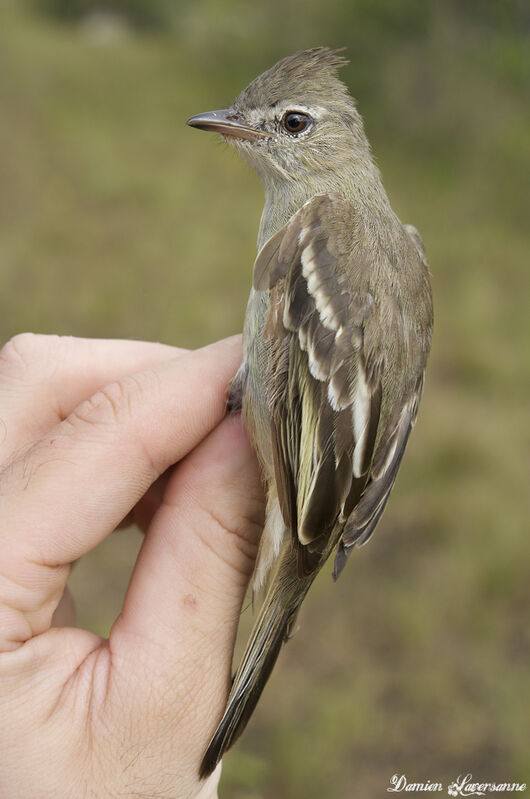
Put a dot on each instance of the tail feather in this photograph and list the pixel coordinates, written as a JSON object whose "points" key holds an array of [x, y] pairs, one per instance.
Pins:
{"points": [[273, 626]]}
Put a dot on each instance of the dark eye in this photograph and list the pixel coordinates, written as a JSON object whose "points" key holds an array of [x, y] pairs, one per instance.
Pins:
{"points": [[295, 121]]}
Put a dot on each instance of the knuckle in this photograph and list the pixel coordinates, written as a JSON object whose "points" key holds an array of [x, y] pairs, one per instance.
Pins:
{"points": [[234, 537], [115, 405], [28, 354], [20, 353], [110, 404]]}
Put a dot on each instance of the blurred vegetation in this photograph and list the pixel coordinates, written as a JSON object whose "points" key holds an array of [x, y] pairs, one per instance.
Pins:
{"points": [[117, 220]]}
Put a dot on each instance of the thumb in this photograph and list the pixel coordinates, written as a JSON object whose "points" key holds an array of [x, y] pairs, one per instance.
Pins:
{"points": [[185, 596]]}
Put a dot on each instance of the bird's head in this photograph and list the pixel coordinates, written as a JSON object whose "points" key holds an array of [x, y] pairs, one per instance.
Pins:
{"points": [[295, 122]]}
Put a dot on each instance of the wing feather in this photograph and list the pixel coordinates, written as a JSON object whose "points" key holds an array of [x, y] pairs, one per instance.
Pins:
{"points": [[324, 410], [368, 508]]}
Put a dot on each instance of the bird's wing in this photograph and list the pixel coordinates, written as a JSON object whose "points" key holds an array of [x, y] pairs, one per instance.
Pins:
{"points": [[383, 471], [392, 440], [324, 388]]}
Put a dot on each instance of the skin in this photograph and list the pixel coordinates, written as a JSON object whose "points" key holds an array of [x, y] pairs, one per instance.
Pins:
{"points": [[81, 716]]}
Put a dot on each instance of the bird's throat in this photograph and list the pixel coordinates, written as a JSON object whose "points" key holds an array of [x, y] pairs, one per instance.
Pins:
{"points": [[284, 199]]}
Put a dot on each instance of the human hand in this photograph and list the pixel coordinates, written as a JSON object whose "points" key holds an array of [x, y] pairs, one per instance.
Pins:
{"points": [[130, 716]]}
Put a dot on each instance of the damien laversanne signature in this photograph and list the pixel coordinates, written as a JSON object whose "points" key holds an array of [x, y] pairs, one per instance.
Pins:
{"points": [[463, 786]]}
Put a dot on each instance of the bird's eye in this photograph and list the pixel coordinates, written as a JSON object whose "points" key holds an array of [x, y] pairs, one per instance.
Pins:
{"points": [[295, 121]]}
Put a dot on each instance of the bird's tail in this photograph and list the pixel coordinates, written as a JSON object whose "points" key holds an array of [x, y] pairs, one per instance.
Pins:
{"points": [[273, 626]]}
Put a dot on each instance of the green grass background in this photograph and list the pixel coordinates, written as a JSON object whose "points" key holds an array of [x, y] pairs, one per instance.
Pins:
{"points": [[117, 220]]}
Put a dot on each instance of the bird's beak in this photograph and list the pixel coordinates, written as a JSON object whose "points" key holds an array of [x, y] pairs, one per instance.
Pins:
{"points": [[227, 122]]}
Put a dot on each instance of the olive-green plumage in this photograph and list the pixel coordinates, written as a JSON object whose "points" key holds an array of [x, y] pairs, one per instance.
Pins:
{"points": [[337, 332]]}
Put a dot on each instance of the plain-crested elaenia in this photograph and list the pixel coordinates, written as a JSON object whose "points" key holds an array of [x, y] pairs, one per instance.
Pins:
{"points": [[336, 337]]}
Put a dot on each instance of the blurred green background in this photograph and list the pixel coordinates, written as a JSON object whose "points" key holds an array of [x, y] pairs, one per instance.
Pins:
{"points": [[117, 220]]}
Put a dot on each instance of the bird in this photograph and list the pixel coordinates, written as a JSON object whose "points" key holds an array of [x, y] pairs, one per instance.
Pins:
{"points": [[336, 337]]}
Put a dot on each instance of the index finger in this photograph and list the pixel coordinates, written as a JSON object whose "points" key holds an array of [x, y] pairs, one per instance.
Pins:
{"points": [[43, 378]]}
